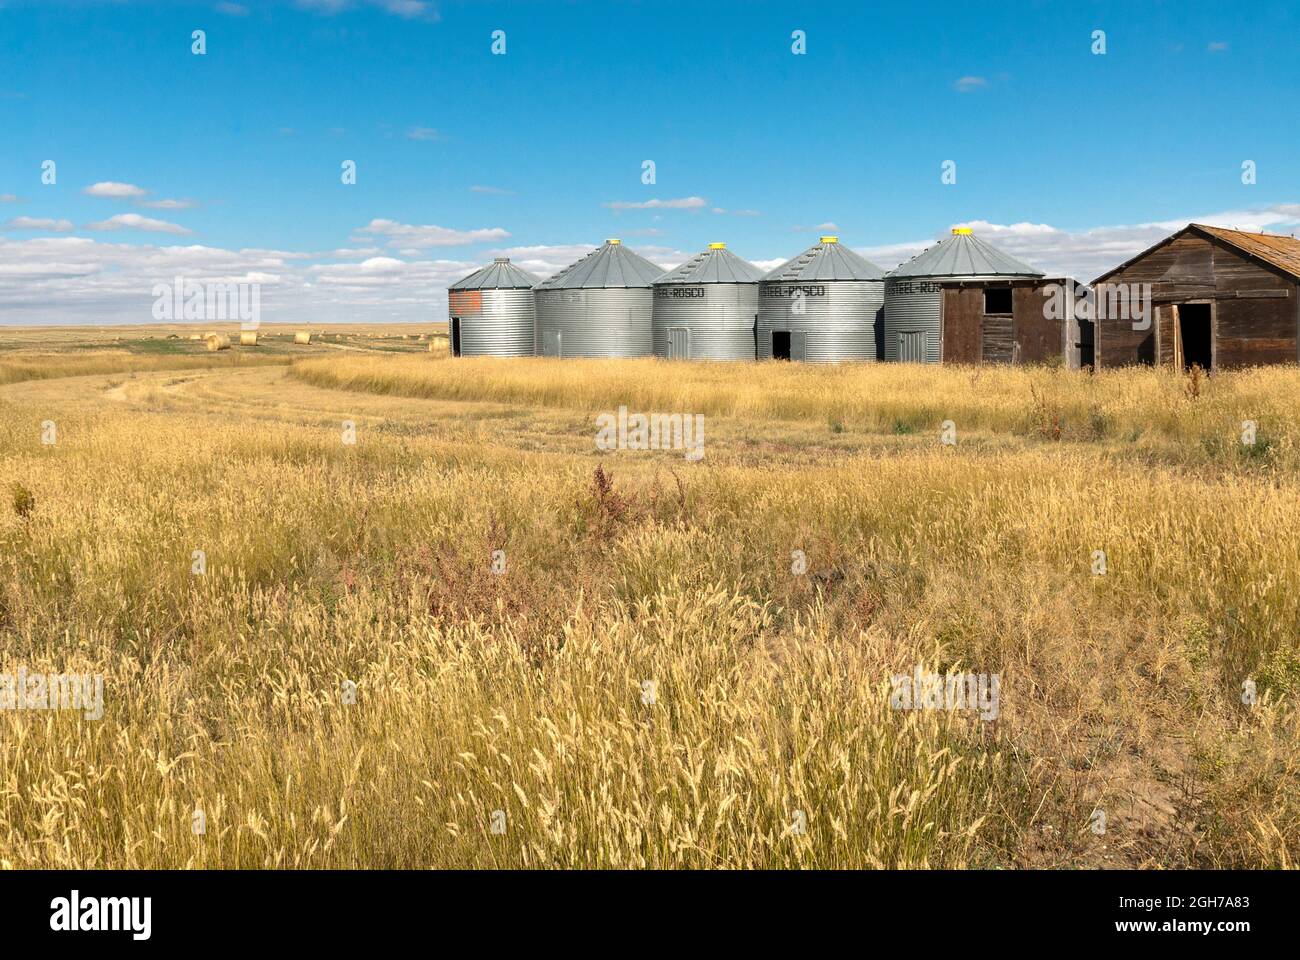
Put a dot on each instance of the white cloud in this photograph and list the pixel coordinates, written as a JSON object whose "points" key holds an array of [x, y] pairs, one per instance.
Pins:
{"points": [[683, 203], [1217, 46], [411, 235], [423, 133], [970, 84], [351, 253], [8, 198], [61, 280], [410, 9], [133, 221], [71, 279], [666, 257], [39, 223], [545, 260], [542, 259], [407, 9], [815, 228], [117, 191], [232, 9], [168, 204]]}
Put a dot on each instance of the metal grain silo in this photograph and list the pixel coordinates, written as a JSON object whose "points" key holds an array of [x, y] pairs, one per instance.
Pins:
{"points": [[598, 307], [913, 304], [491, 312], [706, 308], [823, 305]]}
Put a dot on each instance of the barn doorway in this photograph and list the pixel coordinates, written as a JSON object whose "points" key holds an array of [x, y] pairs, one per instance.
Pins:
{"points": [[1087, 345], [1195, 336], [780, 344], [455, 336]]}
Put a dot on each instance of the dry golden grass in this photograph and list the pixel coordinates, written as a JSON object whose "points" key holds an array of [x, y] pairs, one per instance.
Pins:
{"points": [[1040, 401], [523, 691]]}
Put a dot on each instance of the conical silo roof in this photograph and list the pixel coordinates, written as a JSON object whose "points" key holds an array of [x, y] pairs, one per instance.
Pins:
{"points": [[612, 265], [714, 265], [500, 274], [964, 255], [827, 260]]}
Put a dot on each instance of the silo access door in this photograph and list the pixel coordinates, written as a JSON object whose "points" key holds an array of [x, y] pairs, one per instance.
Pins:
{"points": [[552, 343], [911, 346], [789, 345], [679, 343]]}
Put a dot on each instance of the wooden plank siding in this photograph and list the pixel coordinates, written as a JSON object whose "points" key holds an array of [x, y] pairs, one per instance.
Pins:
{"points": [[963, 314], [1038, 339], [1025, 335], [1255, 306]]}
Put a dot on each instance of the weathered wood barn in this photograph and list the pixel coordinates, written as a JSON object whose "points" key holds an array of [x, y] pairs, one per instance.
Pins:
{"points": [[1220, 299], [1006, 321]]}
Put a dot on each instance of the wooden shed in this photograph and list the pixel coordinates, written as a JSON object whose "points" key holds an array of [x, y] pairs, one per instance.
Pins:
{"points": [[1219, 299], [1007, 321]]}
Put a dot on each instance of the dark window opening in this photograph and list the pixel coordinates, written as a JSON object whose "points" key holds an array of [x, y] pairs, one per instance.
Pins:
{"points": [[1194, 335], [780, 344], [455, 336], [997, 300]]}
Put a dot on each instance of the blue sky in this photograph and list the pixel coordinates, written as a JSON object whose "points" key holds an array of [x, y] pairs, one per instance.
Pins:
{"points": [[228, 164]]}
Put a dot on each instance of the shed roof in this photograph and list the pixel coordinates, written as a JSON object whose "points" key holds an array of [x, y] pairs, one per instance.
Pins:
{"points": [[610, 265], [500, 274], [1280, 252], [827, 259], [714, 265], [962, 254]]}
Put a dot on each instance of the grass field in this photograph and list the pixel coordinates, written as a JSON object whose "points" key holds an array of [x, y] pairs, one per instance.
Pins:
{"points": [[342, 679]]}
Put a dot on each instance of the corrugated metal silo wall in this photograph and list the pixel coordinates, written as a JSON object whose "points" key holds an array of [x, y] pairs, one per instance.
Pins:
{"points": [[597, 322], [494, 323], [912, 306], [719, 316], [839, 318]]}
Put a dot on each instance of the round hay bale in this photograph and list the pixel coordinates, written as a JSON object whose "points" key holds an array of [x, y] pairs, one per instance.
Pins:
{"points": [[217, 341], [302, 336], [248, 338]]}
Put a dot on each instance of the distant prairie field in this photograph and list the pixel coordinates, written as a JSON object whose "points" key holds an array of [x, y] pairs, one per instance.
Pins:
{"points": [[357, 604]]}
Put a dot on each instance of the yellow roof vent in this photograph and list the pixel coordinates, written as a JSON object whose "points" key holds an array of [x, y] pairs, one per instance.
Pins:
{"points": [[613, 241], [717, 246], [830, 239], [960, 231]]}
